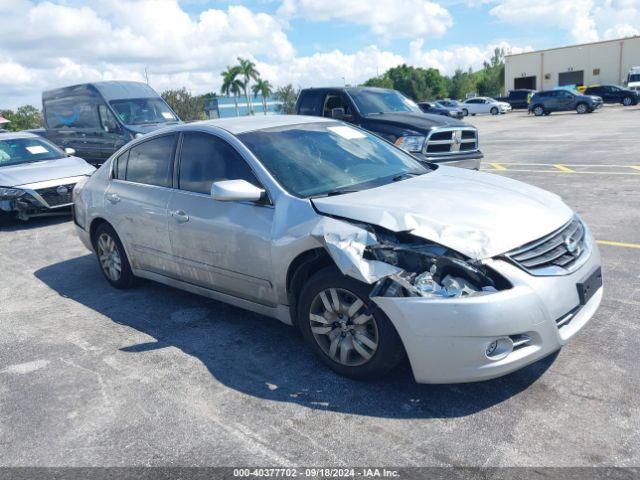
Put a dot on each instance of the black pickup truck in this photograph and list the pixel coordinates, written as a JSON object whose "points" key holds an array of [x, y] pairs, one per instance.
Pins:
{"points": [[391, 115], [517, 98]]}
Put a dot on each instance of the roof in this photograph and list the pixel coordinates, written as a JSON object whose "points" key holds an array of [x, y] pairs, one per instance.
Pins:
{"points": [[13, 135], [573, 46], [111, 90], [237, 125], [3, 120]]}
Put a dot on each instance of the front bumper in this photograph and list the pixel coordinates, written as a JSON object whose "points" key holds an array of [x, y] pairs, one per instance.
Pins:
{"points": [[51, 197], [446, 339], [469, 160]]}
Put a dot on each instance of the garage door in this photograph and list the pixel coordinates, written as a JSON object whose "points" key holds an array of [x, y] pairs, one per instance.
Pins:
{"points": [[524, 82], [571, 78]]}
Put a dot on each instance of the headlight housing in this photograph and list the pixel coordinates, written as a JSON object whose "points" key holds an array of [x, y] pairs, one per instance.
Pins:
{"points": [[411, 143], [430, 270], [7, 193]]}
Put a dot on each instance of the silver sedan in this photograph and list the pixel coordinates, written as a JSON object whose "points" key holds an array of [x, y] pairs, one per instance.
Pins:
{"points": [[373, 255], [36, 177]]}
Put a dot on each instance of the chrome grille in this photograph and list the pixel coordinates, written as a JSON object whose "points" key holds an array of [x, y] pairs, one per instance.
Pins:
{"points": [[554, 253], [446, 141], [55, 196]]}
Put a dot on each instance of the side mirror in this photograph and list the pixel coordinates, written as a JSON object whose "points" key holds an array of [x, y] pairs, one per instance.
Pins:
{"points": [[236, 190], [70, 151], [338, 113]]}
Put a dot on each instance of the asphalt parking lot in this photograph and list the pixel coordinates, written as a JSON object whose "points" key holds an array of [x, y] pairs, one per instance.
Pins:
{"points": [[91, 376]]}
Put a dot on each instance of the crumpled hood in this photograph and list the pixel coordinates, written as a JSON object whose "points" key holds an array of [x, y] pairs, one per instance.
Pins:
{"points": [[477, 214], [26, 173], [416, 121]]}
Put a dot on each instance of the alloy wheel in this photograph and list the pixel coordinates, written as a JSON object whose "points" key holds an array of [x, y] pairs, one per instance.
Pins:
{"points": [[626, 101], [343, 328], [109, 257], [582, 108]]}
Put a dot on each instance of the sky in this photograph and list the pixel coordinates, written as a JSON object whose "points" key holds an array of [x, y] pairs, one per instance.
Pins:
{"points": [[49, 44]]}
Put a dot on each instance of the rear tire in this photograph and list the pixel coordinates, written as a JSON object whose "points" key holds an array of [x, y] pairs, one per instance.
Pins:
{"points": [[345, 329], [538, 110], [112, 258], [582, 108]]}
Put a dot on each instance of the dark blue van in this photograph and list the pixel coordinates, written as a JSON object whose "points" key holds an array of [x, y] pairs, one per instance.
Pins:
{"points": [[96, 119]]}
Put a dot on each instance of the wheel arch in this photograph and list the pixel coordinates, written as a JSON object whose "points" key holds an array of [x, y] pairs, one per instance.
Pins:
{"points": [[300, 269], [95, 223]]}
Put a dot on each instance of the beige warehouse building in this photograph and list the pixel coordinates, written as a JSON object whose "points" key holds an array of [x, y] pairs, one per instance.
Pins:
{"points": [[606, 62]]}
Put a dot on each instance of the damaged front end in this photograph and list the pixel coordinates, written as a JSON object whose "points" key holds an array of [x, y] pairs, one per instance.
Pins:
{"points": [[401, 264], [25, 204]]}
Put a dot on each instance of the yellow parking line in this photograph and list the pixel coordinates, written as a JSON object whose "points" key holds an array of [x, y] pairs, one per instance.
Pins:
{"points": [[562, 168], [618, 244], [497, 166]]}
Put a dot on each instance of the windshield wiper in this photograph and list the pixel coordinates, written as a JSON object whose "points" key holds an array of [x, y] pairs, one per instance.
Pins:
{"points": [[405, 175], [336, 191]]}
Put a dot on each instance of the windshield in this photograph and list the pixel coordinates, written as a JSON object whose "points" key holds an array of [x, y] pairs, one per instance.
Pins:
{"points": [[318, 159], [447, 103], [382, 101], [140, 111], [26, 150], [634, 77]]}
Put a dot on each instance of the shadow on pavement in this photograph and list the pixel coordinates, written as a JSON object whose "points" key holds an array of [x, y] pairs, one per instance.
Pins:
{"points": [[265, 358], [12, 224]]}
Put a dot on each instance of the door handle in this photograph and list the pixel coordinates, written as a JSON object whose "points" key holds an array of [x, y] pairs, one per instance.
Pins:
{"points": [[113, 198], [180, 216]]}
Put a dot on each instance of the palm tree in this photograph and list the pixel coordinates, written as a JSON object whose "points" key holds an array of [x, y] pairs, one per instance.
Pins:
{"points": [[248, 70], [262, 87], [231, 84]]}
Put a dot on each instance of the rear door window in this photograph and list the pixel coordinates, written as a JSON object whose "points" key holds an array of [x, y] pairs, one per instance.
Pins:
{"points": [[120, 166], [151, 162]]}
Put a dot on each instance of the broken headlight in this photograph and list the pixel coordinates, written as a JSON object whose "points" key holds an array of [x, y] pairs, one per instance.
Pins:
{"points": [[10, 193], [430, 270]]}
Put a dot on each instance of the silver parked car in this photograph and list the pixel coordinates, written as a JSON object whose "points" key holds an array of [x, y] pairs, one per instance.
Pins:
{"points": [[369, 252], [36, 177]]}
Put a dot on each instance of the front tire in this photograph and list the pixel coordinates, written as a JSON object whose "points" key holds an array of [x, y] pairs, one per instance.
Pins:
{"points": [[465, 112], [113, 260], [582, 108], [494, 111], [538, 111], [627, 101], [345, 329]]}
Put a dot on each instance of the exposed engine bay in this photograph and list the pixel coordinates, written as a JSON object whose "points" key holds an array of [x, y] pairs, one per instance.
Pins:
{"points": [[401, 264]]}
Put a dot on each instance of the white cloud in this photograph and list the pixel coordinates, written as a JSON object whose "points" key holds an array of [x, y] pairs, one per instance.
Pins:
{"points": [[387, 18], [571, 15], [462, 56], [47, 45], [584, 20]]}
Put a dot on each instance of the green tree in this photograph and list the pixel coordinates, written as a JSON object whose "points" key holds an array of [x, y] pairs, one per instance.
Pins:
{"points": [[415, 82], [232, 85], [381, 81], [461, 83], [263, 88], [248, 71], [288, 96], [24, 118], [490, 80], [188, 107]]}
